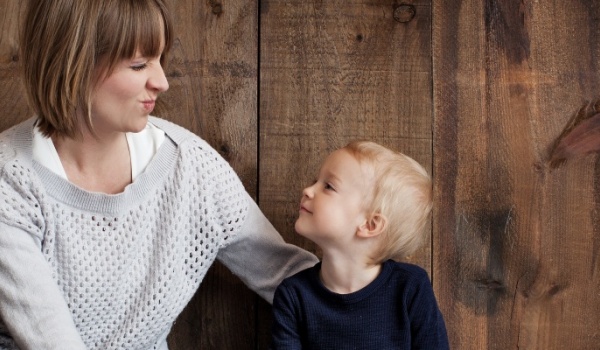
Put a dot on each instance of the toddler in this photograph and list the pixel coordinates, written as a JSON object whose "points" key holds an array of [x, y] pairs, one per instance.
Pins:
{"points": [[367, 209]]}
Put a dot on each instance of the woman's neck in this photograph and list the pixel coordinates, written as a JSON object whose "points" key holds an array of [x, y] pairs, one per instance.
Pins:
{"points": [[96, 164]]}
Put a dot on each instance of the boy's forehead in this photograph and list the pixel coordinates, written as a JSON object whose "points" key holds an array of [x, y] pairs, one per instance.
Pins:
{"points": [[343, 157], [343, 164], [337, 159]]}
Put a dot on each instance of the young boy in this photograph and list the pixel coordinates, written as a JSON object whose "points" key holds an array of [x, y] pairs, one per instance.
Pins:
{"points": [[369, 205]]}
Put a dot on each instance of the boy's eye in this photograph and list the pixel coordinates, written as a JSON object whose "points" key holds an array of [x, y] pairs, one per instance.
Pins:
{"points": [[329, 187]]}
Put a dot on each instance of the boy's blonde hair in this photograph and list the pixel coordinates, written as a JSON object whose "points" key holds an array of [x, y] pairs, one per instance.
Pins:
{"points": [[68, 45], [402, 192]]}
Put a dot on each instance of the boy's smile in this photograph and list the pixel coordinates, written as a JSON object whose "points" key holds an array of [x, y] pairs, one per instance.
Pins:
{"points": [[334, 206]]}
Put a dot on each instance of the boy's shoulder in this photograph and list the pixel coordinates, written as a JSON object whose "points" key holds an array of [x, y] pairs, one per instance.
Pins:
{"points": [[303, 276], [404, 266], [406, 270]]}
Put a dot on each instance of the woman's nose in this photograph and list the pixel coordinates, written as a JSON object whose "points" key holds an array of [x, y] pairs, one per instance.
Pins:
{"points": [[158, 80]]}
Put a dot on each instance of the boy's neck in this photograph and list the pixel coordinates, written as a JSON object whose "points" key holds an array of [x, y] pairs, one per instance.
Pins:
{"points": [[344, 275]]}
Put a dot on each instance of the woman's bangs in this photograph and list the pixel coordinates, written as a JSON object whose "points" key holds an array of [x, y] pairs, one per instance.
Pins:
{"points": [[137, 27], [151, 32]]}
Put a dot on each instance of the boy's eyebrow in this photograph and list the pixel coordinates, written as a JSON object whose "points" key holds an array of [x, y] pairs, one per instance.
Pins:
{"points": [[332, 176]]}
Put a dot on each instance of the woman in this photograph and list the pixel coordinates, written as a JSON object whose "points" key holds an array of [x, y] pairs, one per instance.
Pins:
{"points": [[110, 218]]}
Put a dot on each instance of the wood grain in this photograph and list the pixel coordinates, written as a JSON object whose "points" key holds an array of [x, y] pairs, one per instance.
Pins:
{"points": [[12, 95], [331, 72], [213, 77], [517, 265]]}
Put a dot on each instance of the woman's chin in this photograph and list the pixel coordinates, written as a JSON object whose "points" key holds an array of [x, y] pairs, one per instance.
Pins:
{"points": [[139, 126]]}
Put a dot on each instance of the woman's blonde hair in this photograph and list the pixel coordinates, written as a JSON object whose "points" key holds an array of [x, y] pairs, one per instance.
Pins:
{"points": [[67, 45], [402, 192]]}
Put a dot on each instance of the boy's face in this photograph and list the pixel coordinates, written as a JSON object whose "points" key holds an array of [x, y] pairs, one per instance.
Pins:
{"points": [[332, 209]]}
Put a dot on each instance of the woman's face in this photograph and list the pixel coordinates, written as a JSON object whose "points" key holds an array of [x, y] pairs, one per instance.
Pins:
{"points": [[122, 101]]}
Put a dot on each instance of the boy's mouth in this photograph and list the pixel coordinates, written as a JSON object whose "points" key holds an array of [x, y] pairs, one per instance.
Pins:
{"points": [[303, 209]]}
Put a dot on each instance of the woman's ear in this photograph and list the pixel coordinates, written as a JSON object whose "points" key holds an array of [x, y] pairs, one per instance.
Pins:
{"points": [[372, 226]]}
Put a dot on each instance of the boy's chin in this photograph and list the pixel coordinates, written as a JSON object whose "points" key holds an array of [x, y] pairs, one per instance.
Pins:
{"points": [[298, 229]]}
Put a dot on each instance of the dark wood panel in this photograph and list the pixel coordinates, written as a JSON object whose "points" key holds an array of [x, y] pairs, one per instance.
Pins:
{"points": [[515, 242], [213, 92], [12, 95]]}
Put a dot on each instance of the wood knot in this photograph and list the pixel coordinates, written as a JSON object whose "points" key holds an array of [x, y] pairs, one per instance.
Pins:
{"points": [[175, 73], [225, 151], [217, 8], [580, 137], [404, 13], [490, 284]]}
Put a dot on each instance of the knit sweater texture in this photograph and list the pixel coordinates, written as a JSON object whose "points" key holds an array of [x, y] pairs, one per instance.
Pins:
{"points": [[84, 270], [397, 310]]}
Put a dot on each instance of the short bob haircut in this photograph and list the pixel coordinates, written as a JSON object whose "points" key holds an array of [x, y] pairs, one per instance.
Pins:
{"points": [[67, 46], [402, 192]]}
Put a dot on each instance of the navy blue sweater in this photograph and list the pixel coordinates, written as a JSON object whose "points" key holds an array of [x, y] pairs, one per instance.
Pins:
{"points": [[397, 310]]}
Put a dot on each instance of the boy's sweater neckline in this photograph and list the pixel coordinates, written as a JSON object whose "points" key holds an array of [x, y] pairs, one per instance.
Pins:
{"points": [[353, 297]]}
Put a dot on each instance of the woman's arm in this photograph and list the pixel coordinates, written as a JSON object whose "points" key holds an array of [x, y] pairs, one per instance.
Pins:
{"points": [[260, 256], [32, 307]]}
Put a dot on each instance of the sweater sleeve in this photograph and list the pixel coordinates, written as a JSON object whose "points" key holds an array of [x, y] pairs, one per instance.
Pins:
{"points": [[260, 257], [32, 307], [428, 330]]}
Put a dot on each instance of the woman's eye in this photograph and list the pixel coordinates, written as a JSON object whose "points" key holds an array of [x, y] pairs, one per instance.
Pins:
{"points": [[138, 67]]}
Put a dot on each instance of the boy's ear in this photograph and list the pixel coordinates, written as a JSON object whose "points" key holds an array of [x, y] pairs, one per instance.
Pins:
{"points": [[372, 226]]}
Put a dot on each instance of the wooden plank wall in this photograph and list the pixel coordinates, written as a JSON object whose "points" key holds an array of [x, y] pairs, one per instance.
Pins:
{"points": [[516, 243], [476, 90], [213, 73]]}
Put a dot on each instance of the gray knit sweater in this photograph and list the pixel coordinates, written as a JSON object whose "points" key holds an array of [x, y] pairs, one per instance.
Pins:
{"points": [[89, 270]]}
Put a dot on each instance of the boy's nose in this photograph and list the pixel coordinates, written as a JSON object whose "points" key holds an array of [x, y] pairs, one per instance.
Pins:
{"points": [[308, 191]]}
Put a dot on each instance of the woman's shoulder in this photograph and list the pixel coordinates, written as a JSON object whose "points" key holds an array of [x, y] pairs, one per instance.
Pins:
{"points": [[182, 137], [192, 148], [15, 140], [19, 206], [176, 132]]}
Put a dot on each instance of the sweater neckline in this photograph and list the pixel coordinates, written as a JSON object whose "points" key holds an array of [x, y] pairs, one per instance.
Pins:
{"points": [[360, 294], [111, 204]]}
